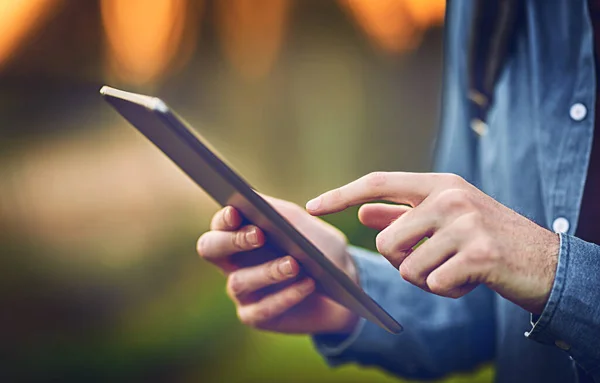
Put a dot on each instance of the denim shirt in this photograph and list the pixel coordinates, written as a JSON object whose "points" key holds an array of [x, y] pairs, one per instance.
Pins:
{"points": [[533, 158]]}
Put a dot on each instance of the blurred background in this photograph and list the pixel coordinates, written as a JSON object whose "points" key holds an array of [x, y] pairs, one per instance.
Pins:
{"points": [[99, 279]]}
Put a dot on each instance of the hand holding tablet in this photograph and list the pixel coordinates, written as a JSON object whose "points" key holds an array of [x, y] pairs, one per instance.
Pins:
{"points": [[274, 293]]}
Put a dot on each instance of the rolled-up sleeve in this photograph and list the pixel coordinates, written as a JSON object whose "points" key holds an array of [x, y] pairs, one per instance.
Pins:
{"points": [[571, 318], [441, 335]]}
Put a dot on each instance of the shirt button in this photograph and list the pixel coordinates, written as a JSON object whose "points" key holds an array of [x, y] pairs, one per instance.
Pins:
{"points": [[562, 345], [479, 127], [560, 225], [578, 111]]}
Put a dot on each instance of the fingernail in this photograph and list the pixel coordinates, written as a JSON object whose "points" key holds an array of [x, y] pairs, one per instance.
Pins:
{"points": [[307, 286], [286, 268], [252, 237], [229, 217], [313, 204]]}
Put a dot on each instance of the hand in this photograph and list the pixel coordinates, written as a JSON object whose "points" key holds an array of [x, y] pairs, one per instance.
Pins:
{"points": [[272, 294], [472, 239]]}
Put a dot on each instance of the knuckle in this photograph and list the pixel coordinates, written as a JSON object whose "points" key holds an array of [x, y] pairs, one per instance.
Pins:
{"points": [[242, 316], [483, 254], [472, 256], [382, 244], [468, 225], [386, 248], [201, 245], [234, 285], [484, 247], [463, 226], [376, 180], [412, 274], [239, 241], [253, 316], [245, 316], [272, 273], [452, 200], [454, 179], [407, 272], [473, 260], [471, 223], [438, 284], [333, 196]]}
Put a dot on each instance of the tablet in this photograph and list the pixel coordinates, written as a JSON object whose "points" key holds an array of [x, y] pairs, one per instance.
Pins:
{"points": [[153, 118]]}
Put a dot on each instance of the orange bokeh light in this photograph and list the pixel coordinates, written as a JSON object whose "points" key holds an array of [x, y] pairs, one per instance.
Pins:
{"points": [[19, 18], [147, 38], [428, 13], [143, 36], [252, 32], [395, 25]]}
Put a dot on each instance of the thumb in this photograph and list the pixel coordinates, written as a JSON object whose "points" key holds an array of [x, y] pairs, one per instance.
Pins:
{"points": [[378, 216]]}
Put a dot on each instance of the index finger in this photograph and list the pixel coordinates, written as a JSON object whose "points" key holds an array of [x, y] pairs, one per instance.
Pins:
{"points": [[398, 187]]}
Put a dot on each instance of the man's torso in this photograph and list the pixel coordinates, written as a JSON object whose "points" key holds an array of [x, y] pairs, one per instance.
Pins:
{"points": [[534, 155]]}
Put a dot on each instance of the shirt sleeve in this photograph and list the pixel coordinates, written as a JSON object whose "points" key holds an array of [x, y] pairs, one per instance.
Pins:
{"points": [[441, 335], [571, 318]]}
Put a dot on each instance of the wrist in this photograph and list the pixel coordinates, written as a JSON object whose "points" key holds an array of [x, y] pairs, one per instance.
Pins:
{"points": [[550, 252], [343, 323], [350, 323]]}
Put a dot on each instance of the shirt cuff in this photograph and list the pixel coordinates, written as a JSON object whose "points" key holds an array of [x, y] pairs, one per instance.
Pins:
{"points": [[571, 317]]}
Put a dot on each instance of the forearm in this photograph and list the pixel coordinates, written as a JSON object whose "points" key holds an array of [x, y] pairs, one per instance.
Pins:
{"points": [[433, 326]]}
